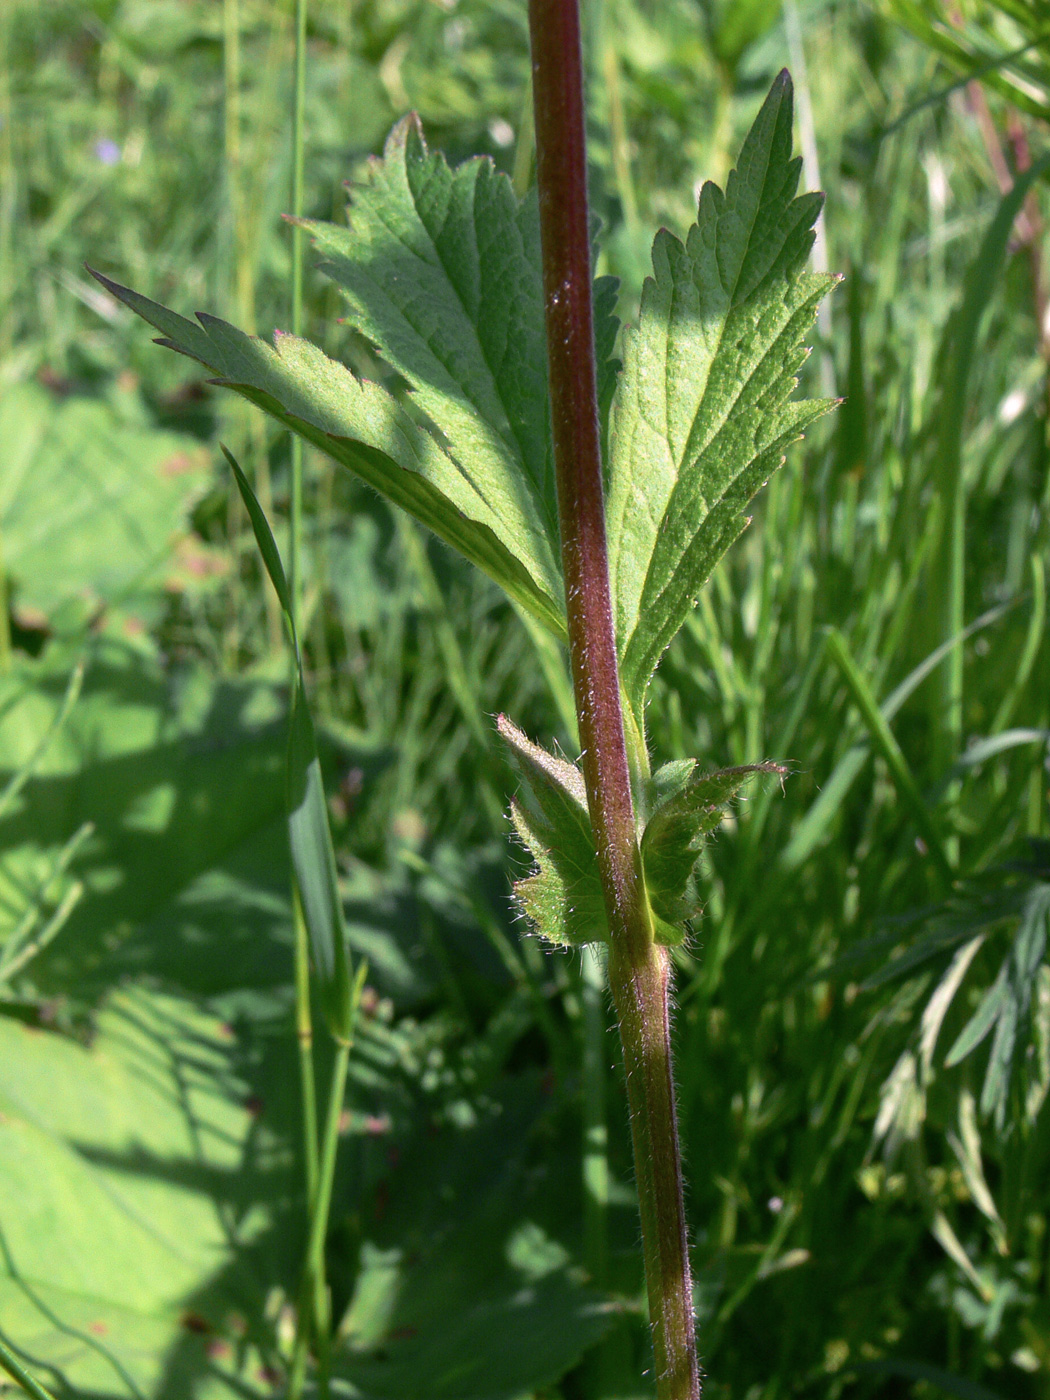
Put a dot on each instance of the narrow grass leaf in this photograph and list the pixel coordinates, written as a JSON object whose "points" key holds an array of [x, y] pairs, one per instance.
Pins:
{"points": [[1006, 1006], [886, 744], [18, 781], [810, 830], [972, 47], [958, 351], [967, 1149], [310, 837], [1033, 641], [20, 1375], [937, 1007], [984, 749]]}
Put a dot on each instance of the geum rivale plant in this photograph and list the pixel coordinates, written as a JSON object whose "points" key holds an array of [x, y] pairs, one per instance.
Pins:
{"points": [[599, 496]]}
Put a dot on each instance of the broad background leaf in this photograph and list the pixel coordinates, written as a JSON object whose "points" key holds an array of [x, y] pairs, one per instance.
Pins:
{"points": [[93, 503], [142, 1181]]}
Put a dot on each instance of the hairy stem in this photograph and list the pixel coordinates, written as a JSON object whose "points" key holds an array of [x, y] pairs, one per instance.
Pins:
{"points": [[638, 968]]}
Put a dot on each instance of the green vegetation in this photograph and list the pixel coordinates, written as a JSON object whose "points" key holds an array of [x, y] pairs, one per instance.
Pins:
{"points": [[863, 1005]]}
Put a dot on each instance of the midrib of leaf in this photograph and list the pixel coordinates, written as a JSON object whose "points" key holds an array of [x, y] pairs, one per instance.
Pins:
{"points": [[725, 421], [544, 487], [691, 449]]}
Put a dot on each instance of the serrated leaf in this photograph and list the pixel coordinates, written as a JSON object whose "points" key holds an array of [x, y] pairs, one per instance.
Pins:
{"points": [[362, 426], [685, 807], [562, 899], [703, 415], [606, 329], [442, 272]]}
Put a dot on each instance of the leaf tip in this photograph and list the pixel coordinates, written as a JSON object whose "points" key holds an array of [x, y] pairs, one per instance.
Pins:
{"points": [[100, 277]]}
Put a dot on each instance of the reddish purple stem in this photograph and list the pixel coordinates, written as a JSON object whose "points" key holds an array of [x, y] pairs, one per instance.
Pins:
{"points": [[639, 970]]}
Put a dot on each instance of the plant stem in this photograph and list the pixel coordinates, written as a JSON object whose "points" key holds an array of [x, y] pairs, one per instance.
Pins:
{"points": [[305, 1036], [314, 1262], [638, 968], [11, 1364], [312, 1300], [298, 142]]}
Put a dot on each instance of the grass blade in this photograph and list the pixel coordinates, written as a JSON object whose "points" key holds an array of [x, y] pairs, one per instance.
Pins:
{"points": [[886, 744], [959, 349], [817, 819], [313, 857]]}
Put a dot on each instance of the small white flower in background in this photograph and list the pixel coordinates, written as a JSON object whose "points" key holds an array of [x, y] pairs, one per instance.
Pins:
{"points": [[1012, 406], [501, 131], [107, 152], [775, 1204]]}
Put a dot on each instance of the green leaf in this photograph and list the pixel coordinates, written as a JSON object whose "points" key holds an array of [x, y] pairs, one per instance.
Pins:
{"points": [[442, 272], [606, 329], [464, 1288], [92, 503], [703, 414], [181, 777], [309, 835], [734, 25], [684, 807], [562, 899], [135, 1165], [982, 42], [489, 518], [1007, 1005]]}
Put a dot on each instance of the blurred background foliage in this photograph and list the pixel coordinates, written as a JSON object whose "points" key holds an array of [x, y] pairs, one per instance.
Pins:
{"points": [[863, 1018]]}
